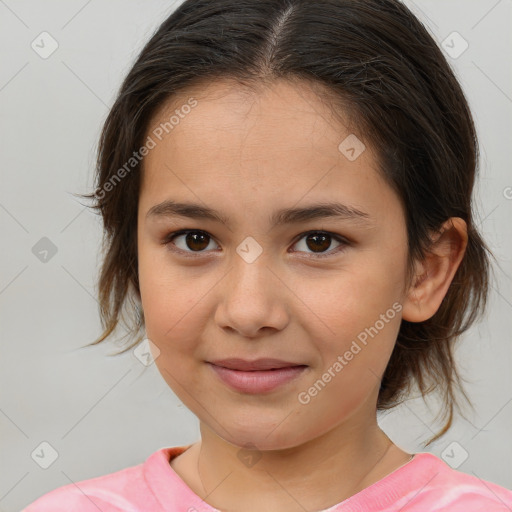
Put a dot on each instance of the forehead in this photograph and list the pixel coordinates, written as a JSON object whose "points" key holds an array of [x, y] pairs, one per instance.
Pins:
{"points": [[275, 141], [229, 113], [279, 95]]}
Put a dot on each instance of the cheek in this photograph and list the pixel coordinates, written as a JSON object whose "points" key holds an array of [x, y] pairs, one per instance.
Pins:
{"points": [[356, 316], [168, 304], [348, 300], [168, 298]]}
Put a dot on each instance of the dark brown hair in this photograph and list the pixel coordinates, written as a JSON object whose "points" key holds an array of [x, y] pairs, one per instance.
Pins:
{"points": [[373, 61]]}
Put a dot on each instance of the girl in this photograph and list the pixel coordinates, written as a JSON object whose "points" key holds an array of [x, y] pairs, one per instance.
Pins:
{"points": [[286, 193]]}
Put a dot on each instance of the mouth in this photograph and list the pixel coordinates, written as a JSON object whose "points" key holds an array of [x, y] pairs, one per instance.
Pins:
{"points": [[255, 365], [256, 377]]}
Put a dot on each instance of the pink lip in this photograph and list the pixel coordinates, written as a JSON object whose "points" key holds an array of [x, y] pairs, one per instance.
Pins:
{"points": [[264, 363], [257, 381]]}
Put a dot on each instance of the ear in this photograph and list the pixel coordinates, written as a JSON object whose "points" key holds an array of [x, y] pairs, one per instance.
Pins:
{"points": [[435, 273]]}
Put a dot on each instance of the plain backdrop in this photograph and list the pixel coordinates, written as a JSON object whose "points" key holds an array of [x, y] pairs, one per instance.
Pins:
{"points": [[98, 413]]}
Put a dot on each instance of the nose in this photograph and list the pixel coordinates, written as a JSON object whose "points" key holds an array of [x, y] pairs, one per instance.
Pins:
{"points": [[253, 299]]}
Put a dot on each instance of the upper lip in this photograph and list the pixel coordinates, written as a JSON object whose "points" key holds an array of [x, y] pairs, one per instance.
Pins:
{"points": [[257, 364]]}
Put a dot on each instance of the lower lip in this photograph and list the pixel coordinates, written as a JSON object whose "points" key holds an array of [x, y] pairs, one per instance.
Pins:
{"points": [[257, 381]]}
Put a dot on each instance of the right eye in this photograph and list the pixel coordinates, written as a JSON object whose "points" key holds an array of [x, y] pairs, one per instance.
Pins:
{"points": [[189, 241]]}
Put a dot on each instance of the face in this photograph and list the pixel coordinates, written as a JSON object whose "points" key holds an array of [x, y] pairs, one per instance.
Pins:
{"points": [[319, 290]]}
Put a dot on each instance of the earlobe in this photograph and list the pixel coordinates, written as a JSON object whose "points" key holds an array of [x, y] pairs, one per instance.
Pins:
{"points": [[435, 273]]}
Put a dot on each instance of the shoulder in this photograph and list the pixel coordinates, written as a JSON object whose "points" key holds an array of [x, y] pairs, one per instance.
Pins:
{"points": [[450, 490], [106, 493], [122, 491]]}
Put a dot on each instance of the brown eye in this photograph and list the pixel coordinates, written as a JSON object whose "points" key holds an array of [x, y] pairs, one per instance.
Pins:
{"points": [[317, 243], [196, 241], [189, 241]]}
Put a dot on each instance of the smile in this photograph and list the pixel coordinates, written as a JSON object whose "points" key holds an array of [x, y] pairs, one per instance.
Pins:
{"points": [[257, 381]]}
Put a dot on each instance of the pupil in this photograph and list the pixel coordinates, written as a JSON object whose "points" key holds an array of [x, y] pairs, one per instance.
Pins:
{"points": [[196, 238], [324, 241]]}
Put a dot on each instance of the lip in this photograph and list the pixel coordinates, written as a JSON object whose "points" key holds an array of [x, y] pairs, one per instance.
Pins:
{"points": [[265, 363], [258, 381]]}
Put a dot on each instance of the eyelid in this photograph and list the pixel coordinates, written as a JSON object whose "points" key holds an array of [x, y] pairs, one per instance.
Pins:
{"points": [[331, 252], [339, 238], [171, 236]]}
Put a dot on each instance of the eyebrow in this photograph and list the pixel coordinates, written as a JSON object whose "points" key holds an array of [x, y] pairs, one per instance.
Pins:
{"points": [[284, 216]]}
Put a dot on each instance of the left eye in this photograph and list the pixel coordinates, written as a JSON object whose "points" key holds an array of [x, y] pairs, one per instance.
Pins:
{"points": [[320, 241], [195, 241]]}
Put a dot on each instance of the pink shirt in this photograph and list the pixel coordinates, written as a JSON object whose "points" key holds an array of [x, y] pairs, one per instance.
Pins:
{"points": [[424, 484]]}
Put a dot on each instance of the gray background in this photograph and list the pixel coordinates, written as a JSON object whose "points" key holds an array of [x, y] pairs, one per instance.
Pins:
{"points": [[100, 413]]}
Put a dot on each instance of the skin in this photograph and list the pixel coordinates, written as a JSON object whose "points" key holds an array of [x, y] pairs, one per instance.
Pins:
{"points": [[248, 153]]}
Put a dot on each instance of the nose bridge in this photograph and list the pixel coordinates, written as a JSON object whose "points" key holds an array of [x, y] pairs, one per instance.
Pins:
{"points": [[250, 270], [250, 297]]}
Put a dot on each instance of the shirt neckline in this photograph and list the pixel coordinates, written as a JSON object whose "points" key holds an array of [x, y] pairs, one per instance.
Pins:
{"points": [[171, 491]]}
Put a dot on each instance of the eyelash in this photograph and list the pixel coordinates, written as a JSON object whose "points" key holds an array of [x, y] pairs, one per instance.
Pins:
{"points": [[168, 241]]}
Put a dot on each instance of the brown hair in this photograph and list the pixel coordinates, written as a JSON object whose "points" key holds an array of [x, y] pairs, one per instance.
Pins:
{"points": [[373, 60]]}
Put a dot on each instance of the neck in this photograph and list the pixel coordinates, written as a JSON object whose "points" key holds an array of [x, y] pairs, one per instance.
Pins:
{"points": [[314, 475]]}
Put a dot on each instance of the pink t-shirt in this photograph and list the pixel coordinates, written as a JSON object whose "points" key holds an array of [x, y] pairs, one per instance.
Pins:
{"points": [[424, 484]]}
